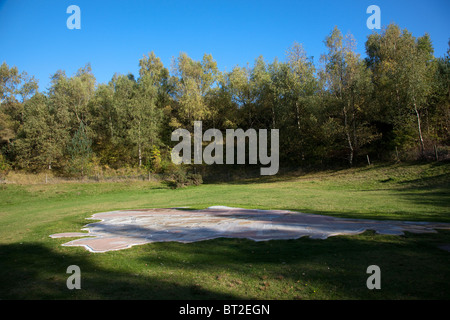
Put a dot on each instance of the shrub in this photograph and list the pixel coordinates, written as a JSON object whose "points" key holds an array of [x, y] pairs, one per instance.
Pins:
{"points": [[195, 179], [179, 178], [4, 167], [154, 164]]}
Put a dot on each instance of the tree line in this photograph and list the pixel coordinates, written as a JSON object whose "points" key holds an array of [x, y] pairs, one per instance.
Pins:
{"points": [[393, 103]]}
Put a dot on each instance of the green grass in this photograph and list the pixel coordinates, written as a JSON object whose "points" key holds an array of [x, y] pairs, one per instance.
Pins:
{"points": [[33, 266]]}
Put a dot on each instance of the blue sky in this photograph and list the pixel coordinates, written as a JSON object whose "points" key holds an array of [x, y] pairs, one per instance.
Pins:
{"points": [[114, 35]]}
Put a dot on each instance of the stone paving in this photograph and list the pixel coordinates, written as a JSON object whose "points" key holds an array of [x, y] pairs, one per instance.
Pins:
{"points": [[125, 228]]}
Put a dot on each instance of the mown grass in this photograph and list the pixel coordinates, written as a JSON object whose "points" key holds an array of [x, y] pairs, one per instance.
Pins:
{"points": [[413, 266]]}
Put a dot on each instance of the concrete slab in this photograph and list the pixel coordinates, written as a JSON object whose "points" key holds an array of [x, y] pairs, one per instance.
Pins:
{"points": [[123, 229]]}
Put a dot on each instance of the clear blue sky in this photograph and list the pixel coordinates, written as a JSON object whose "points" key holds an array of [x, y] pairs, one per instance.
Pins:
{"points": [[114, 35]]}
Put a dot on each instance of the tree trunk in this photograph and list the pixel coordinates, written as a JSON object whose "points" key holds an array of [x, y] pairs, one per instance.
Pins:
{"points": [[355, 136], [298, 115], [139, 145], [422, 146], [140, 155], [111, 127], [349, 140], [273, 117]]}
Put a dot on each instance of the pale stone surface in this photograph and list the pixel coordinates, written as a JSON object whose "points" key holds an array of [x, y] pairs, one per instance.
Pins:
{"points": [[125, 228]]}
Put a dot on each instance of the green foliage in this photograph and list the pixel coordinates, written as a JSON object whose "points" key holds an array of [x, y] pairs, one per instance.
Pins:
{"points": [[404, 71], [4, 166], [80, 152], [41, 139], [397, 99], [154, 163]]}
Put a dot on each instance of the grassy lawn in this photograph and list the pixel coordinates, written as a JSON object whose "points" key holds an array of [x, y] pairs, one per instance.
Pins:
{"points": [[33, 266]]}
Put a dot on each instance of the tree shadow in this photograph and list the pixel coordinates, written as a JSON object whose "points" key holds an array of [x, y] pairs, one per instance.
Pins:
{"points": [[337, 264], [33, 271]]}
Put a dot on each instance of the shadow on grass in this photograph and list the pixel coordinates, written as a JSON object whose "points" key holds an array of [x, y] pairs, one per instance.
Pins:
{"points": [[431, 190], [439, 198], [398, 215], [412, 267], [244, 176], [337, 265], [32, 271]]}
